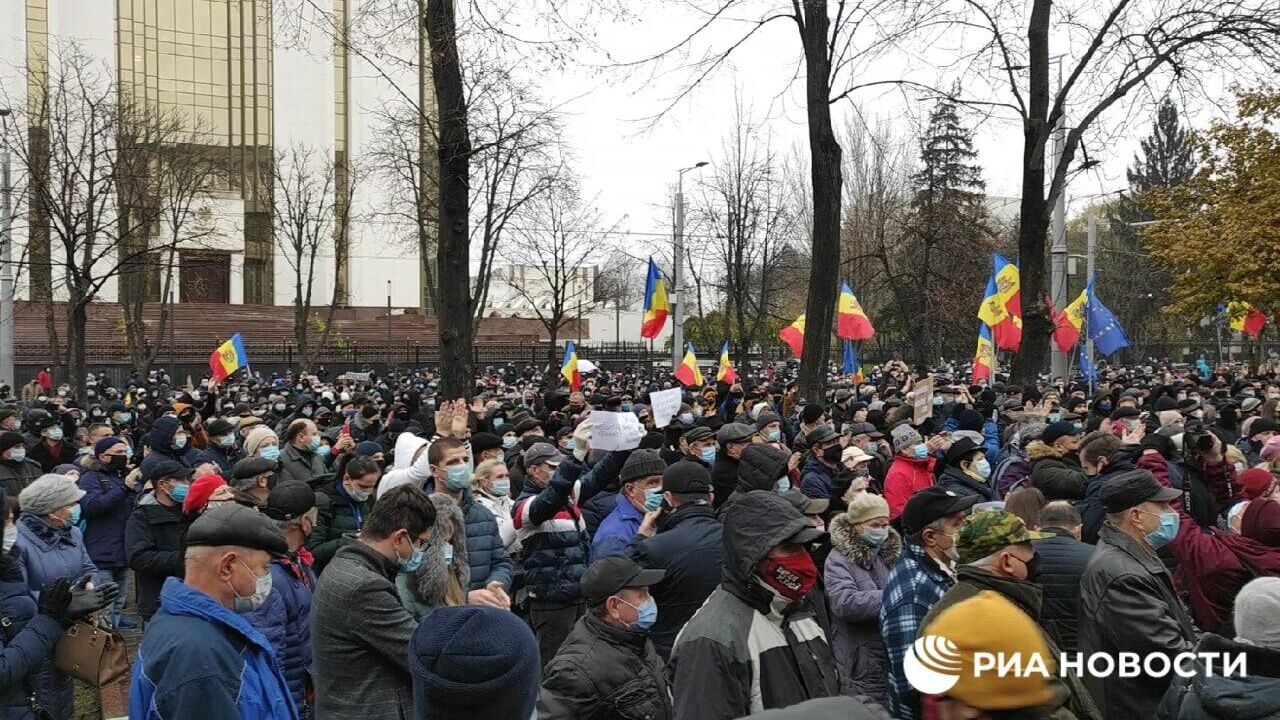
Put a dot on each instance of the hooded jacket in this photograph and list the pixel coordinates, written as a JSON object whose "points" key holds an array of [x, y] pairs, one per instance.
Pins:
{"points": [[425, 589], [339, 515], [855, 574], [161, 440], [602, 672], [284, 620], [747, 648], [1057, 476], [406, 470], [1210, 696], [760, 468]]}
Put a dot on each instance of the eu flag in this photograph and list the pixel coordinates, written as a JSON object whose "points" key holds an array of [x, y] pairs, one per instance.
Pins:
{"points": [[1104, 331], [1087, 370]]}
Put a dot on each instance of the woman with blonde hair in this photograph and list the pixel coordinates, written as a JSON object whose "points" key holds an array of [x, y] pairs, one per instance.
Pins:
{"points": [[491, 487]]}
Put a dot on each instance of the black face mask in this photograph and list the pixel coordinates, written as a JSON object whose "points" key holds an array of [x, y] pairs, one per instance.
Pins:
{"points": [[832, 454], [1033, 568], [117, 463]]}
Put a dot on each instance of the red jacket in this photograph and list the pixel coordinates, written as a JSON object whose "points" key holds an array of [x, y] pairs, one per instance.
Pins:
{"points": [[1261, 522], [905, 478]]}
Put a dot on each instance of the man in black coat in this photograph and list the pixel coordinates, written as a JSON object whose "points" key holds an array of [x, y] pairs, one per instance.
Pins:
{"points": [[153, 533], [732, 439], [1063, 559], [686, 542]]}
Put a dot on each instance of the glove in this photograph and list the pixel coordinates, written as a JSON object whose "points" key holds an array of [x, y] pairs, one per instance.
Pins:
{"points": [[54, 599], [85, 601]]}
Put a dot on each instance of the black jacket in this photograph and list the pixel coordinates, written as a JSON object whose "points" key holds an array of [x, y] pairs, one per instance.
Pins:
{"points": [[16, 476], [1090, 507], [47, 459], [690, 547], [759, 469], [1062, 563], [1128, 604], [724, 477], [153, 547], [955, 480], [603, 672], [1210, 696], [1057, 476]]}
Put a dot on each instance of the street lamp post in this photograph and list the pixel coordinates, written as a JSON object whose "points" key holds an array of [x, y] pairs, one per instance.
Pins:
{"points": [[677, 272], [6, 264]]}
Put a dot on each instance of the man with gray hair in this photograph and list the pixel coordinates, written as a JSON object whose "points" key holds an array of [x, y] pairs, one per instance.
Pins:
{"points": [[284, 617], [254, 477]]}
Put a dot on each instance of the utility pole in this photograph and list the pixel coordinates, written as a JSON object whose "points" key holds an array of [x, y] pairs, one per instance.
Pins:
{"points": [[1058, 250], [1088, 276], [6, 264], [677, 272], [173, 343], [388, 325]]}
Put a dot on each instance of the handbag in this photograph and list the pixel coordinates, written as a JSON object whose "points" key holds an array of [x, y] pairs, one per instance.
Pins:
{"points": [[91, 654]]}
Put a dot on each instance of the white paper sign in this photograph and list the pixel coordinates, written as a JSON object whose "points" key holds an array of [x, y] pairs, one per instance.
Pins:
{"points": [[922, 402], [615, 431], [665, 404]]}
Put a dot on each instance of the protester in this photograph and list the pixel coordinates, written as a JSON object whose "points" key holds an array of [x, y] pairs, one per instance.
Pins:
{"points": [[50, 545], [167, 443], [360, 632], [153, 533], [343, 507], [16, 469], [302, 457], [107, 503], [201, 657], [441, 579], [818, 475], [912, 468], [967, 471], [486, 554], [1261, 518], [491, 487], [254, 478], [641, 493], [1026, 503], [607, 666], [1055, 464], [1063, 558], [754, 645]]}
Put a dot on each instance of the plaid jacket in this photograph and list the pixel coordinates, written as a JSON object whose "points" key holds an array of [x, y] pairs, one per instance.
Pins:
{"points": [[914, 584]]}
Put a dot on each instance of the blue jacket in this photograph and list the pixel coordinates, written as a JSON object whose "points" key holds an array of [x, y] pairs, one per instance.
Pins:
{"points": [[486, 553], [914, 585], [284, 620], [990, 438], [617, 529], [815, 479], [49, 553], [224, 458], [161, 439], [200, 660], [26, 661], [106, 506], [549, 525]]}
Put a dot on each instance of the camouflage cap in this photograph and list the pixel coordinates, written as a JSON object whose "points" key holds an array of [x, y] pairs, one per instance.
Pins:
{"points": [[988, 531]]}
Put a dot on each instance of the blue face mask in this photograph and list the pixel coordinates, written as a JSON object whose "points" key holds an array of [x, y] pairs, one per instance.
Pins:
{"points": [[783, 484], [227, 441], [498, 423], [54, 433], [457, 477], [413, 562], [75, 515], [1167, 531], [448, 553], [626, 407], [570, 444], [774, 435], [179, 492], [315, 443], [686, 418], [125, 418], [509, 441], [982, 468], [270, 452], [179, 442], [937, 399], [502, 487], [652, 499], [646, 614], [19, 455], [919, 451], [708, 455]]}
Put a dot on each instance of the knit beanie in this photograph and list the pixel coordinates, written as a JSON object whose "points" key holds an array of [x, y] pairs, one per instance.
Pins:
{"points": [[904, 436], [105, 444], [256, 438], [1255, 483], [1257, 606], [10, 440], [475, 660], [767, 417], [969, 419], [48, 493], [642, 463], [867, 506], [984, 623]]}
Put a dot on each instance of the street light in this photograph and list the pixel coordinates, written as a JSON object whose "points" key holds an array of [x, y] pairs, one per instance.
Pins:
{"points": [[6, 256], [677, 307]]}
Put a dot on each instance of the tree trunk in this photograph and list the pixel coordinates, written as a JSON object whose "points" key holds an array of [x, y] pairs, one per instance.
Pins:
{"points": [[453, 241], [824, 152], [77, 319], [300, 335]]}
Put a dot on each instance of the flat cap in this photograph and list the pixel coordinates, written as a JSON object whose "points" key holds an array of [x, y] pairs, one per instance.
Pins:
{"points": [[239, 526]]}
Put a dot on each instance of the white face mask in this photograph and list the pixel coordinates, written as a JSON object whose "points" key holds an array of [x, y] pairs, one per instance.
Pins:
{"points": [[10, 537]]}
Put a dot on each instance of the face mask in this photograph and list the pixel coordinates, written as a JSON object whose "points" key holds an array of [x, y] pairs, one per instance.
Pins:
{"points": [[125, 418], [1104, 407], [413, 562], [952, 552], [19, 455], [306, 412], [652, 499], [179, 492], [982, 468], [179, 442], [448, 553], [227, 441], [270, 452], [876, 535], [456, 477], [502, 487], [1167, 531], [570, 445], [646, 614], [792, 576], [509, 441], [261, 589], [708, 455], [75, 516], [116, 463], [832, 454], [54, 433], [358, 495], [626, 407], [1033, 568], [783, 484], [10, 537], [774, 435], [686, 418], [937, 400], [279, 407], [314, 445], [919, 451], [498, 423], [1055, 417]]}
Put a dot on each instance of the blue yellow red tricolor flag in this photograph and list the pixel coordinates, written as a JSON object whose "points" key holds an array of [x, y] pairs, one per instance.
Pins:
{"points": [[656, 306], [726, 373], [1246, 318], [851, 364], [984, 358], [793, 335], [228, 358], [1001, 307], [569, 368], [1068, 324], [851, 322], [688, 372]]}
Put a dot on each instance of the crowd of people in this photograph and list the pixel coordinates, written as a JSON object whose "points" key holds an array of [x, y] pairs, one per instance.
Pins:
{"points": [[361, 547]]}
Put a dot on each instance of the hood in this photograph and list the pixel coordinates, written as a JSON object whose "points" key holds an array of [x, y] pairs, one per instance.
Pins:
{"points": [[846, 540], [753, 525], [1037, 450], [1255, 696], [178, 598], [431, 579], [406, 445], [760, 467], [162, 433]]}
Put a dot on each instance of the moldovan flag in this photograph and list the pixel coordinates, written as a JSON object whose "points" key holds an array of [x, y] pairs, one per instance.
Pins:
{"points": [[1246, 318], [228, 358], [1068, 323], [851, 322], [569, 368], [726, 373], [688, 373], [984, 359], [1001, 307], [793, 335], [656, 307], [851, 365]]}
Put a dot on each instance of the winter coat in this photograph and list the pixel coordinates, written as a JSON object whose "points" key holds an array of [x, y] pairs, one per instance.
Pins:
{"points": [[17, 476], [405, 469], [1128, 603], [1057, 476], [724, 476], [689, 545], [964, 484], [747, 649], [1062, 563], [1261, 522], [284, 620], [301, 465], [486, 552], [905, 477], [1210, 696], [49, 456], [760, 468], [337, 516], [595, 510], [106, 506], [816, 479], [855, 574], [425, 590], [617, 530], [1210, 488], [603, 672], [161, 439], [358, 623], [200, 660], [501, 507], [153, 547], [1090, 506], [26, 661], [48, 553], [552, 533], [914, 584]]}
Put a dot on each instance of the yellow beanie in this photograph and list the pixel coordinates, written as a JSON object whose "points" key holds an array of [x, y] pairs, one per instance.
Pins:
{"points": [[989, 623]]}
